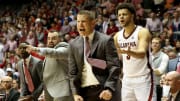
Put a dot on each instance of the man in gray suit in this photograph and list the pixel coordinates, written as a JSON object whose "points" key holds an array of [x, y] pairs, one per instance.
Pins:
{"points": [[94, 74], [34, 66], [55, 74]]}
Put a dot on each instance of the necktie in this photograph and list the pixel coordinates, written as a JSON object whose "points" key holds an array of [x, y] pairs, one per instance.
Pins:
{"points": [[87, 47], [7, 95], [178, 66], [94, 62], [28, 78], [171, 98]]}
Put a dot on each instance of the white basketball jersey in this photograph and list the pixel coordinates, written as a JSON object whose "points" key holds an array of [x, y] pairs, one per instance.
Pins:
{"points": [[132, 67]]}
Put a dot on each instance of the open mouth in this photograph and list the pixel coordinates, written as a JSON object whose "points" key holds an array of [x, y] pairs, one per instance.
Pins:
{"points": [[122, 21], [81, 29]]}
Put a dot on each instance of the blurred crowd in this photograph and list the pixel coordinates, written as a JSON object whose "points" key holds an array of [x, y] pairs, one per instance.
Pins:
{"points": [[32, 21]]}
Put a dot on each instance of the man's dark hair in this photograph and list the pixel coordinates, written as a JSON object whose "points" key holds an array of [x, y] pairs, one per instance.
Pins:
{"points": [[129, 7]]}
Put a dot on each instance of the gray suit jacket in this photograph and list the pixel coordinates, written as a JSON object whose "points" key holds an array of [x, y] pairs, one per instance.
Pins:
{"points": [[102, 48], [35, 68], [55, 75], [172, 64]]}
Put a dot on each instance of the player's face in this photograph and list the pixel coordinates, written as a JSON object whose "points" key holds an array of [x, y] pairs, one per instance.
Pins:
{"points": [[125, 17], [85, 26]]}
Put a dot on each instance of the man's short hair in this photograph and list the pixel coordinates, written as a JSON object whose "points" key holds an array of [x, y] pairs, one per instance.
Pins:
{"points": [[129, 7], [91, 15]]}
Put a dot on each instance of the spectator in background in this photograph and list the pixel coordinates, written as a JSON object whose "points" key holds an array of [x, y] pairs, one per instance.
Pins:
{"points": [[110, 6], [73, 33], [105, 23], [112, 28], [65, 17], [31, 38], [12, 43], [66, 28], [173, 64], [154, 24], [176, 21], [172, 54], [177, 47], [67, 38], [167, 19], [16, 85], [159, 62], [2, 73], [11, 93], [2, 52], [99, 23], [74, 22], [9, 70], [168, 45], [139, 10], [176, 25], [40, 34], [173, 80]]}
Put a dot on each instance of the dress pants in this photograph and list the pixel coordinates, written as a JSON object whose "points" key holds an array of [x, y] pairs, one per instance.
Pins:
{"points": [[91, 93], [159, 92], [48, 97]]}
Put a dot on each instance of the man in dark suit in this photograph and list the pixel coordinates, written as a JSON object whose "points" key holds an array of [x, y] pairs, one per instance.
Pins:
{"points": [[11, 94], [33, 66], [93, 62], [173, 80]]}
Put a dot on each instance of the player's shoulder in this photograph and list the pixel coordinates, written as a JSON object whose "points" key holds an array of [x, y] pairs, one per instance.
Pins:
{"points": [[118, 33], [143, 30]]}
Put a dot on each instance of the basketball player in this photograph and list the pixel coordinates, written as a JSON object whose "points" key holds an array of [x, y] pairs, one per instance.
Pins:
{"points": [[132, 43]]}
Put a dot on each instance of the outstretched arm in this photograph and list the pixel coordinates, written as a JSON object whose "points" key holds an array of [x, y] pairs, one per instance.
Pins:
{"points": [[59, 52]]}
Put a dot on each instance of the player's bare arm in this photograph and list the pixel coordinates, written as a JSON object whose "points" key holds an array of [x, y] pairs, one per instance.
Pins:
{"points": [[144, 40]]}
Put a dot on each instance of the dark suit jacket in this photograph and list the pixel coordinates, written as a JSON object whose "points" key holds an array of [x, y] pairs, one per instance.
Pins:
{"points": [[172, 64], [35, 68], [13, 95], [102, 48], [178, 97]]}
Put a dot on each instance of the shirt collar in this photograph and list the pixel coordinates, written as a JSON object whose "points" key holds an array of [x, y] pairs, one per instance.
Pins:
{"points": [[28, 59], [90, 36]]}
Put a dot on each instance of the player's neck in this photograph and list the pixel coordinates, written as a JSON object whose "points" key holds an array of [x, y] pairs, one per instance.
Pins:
{"points": [[129, 29]]}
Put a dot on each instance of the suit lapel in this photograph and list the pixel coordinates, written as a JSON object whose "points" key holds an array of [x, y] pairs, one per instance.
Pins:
{"points": [[81, 47], [11, 93], [95, 42], [30, 65], [177, 97]]}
